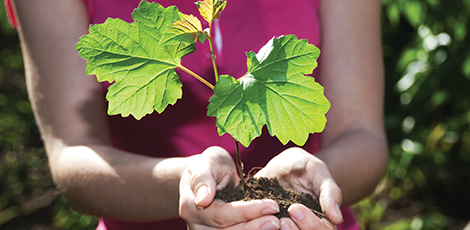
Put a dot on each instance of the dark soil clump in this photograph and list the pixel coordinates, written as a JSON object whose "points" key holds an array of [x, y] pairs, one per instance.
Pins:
{"points": [[269, 188]]}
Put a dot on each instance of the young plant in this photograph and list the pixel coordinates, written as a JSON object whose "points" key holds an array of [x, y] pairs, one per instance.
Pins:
{"points": [[141, 58]]}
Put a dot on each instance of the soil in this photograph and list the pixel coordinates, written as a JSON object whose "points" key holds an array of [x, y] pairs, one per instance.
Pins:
{"points": [[269, 188]]}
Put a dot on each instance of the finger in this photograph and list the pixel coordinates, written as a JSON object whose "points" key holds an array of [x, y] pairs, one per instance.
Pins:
{"points": [[221, 214], [326, 189], [202, 185], [263, 223], [330, 200], [215, 170], [306, 220], [288, 224]]}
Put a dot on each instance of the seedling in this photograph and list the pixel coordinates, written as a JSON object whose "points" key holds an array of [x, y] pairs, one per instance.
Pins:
{"points": [[141, 58]]}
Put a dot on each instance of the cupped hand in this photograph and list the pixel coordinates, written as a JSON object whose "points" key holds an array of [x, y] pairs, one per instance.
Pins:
{"points": [[297, 169], [214, 170]]}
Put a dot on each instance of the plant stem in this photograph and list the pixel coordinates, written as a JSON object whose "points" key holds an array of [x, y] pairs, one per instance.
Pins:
{"points": [[216, 74], [196, 76], [239, 163]]}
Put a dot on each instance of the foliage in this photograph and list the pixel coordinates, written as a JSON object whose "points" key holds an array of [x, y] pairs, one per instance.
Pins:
{"points": [[272, 92], [141, 58], [211, 9], [130, 54], [427, 59]]}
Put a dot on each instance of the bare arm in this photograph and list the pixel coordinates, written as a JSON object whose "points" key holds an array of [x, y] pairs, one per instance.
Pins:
{"points": [[97, 178], [354, 142], [71, 113], [354, 150]]}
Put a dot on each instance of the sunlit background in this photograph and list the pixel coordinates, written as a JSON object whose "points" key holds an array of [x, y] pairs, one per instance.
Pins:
{"points": [[426, 47]]}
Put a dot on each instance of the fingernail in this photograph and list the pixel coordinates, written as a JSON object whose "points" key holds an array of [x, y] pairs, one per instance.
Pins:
{"points": [[271, 225], [338, 211], [296, 213], [285, 226], [201, 193], [270, 210]]}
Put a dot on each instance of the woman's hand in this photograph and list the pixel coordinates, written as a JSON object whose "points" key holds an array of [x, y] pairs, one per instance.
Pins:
{"points": [[214, 170], [297, 169]]}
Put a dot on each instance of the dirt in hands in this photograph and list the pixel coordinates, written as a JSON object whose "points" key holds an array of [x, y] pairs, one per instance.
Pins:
{"points": [[269, 188]]}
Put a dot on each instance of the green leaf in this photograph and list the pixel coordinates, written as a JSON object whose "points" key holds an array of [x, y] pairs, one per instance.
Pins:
{"points": [[415, 12], [187, 29], [274, 92], [134, 57], [210, 9]]}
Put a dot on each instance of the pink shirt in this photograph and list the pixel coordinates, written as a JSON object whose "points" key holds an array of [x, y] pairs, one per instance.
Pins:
{"points": [[184, 129]]}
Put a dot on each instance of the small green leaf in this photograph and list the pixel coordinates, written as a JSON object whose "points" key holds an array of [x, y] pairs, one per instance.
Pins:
{"points": [[275, 92], [210, 9], [133, 56], [187, 29]]}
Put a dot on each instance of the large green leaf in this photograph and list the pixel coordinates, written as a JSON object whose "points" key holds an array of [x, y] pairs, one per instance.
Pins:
{"points": [[274, 92], [136, 58]]}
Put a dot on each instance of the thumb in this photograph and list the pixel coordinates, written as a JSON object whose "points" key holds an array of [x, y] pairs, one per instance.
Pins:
{"points": [[210, 173], [204, 195], [330, 201]]}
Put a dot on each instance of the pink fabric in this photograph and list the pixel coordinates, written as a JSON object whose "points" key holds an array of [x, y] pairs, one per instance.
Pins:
{"points": [[184, 129]]}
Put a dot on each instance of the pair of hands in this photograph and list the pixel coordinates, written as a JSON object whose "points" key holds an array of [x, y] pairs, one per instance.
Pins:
{"points": [[295, 168]]}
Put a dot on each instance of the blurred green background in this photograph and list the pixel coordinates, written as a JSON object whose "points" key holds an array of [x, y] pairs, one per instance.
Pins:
{"points": [[426, 49]]}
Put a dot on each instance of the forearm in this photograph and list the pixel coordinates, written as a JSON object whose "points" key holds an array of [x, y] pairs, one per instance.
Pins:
{"points": [[357, 161], [103, 181], [70, 110], [353, 142]]}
